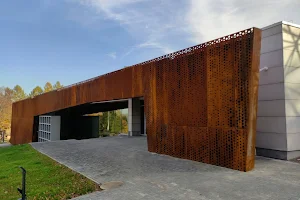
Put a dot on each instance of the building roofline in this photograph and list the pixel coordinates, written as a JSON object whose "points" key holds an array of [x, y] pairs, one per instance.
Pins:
{"points": [[291, 24], [281, 22]]}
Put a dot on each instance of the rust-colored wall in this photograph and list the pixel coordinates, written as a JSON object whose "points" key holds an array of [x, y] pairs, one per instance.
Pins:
{"points": [[200, 103]]}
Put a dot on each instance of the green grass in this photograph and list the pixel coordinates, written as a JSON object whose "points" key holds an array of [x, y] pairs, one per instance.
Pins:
{"points": [[46, 179]]}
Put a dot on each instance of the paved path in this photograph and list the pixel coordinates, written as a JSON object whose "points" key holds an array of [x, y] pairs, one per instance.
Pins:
{"points": [[156, 177], [5, 145]]}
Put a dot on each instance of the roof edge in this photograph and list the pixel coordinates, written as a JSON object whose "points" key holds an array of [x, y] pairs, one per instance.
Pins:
{"points": [[281, 22]]}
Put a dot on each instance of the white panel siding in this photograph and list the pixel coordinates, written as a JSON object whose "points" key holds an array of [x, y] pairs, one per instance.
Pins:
{"points": [[271, 92], [271, 125], [271, 43], [271, 141], [272, 30], [292, 108], [293, 125], [274, 108], [293, 141], [291, 58], [292, 91], [271, 76], [291, 37]]}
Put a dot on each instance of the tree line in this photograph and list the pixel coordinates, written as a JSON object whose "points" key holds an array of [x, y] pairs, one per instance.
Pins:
{"points": [[47, 88], [112, 122], [10, 95]]}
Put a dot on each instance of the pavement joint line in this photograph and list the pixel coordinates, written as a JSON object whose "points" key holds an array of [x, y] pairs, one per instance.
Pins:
{"points": [[131, 163], [74, 170], [278, 160]]}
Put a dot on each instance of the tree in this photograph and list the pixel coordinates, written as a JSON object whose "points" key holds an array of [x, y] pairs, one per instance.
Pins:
{"points": [[57, 85], [18, 93], [9, 93], [117, 120], [124, 128], [103, 121], [48, 87], [5, 109], [36, 91]]}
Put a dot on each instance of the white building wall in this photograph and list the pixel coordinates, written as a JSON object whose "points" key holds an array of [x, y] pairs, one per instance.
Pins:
{"points": [[291, 61], [271, 122], [278, 122]]}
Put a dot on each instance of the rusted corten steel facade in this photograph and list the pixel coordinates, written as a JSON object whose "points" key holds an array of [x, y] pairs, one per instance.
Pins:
{"points": [[200, 103]]}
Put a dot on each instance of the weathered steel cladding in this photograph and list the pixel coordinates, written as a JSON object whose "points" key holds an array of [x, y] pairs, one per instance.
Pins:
{"points": [[200, 103]]}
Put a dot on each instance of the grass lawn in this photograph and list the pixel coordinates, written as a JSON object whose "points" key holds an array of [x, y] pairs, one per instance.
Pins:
{"points": [[46, 179]]}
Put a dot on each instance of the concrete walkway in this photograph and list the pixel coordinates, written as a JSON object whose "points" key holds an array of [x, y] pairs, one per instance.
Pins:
{"points": [[5, 145], [156, 177]]}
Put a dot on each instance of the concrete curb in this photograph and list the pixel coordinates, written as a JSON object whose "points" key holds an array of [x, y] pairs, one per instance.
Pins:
{"points": [[5, 145]]}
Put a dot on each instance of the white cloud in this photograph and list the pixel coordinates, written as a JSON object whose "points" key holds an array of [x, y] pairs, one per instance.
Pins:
{"points": [[111, 8], [210, 19], [149, 22], [113, 55], [167, 25], [148, 44]]}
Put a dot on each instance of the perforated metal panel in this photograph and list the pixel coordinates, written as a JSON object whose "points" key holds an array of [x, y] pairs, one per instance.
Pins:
{"points": [[200, 102]]}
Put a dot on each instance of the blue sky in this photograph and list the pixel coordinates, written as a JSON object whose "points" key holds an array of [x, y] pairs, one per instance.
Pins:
{"points": [[73, 40]]}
